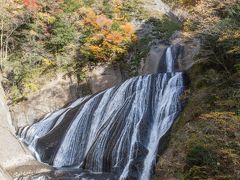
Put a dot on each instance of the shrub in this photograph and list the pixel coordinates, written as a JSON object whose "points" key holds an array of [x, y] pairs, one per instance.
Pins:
{"points": [[71, 5], [62, 33], [164, 27], [104, 39], [200, 156]]}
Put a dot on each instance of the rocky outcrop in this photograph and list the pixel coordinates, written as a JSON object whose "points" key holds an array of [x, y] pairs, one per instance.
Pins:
{"points": [[60, 91], [104, 76], [15, 160], [184, 49], [177, 15], [187, 47], [150, 65], [53, 95]]}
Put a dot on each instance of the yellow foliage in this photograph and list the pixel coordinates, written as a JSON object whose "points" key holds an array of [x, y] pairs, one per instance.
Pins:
{"points": [[118, 50], [31, 87], [128, 28], [46, 17], [33, 33], [233, 50], [107, 45], [95, 49], [117, 6], [219, 116], [117, 3], [96, 37], [114, 37], [230, 153], [48, 62], [230, 34]]}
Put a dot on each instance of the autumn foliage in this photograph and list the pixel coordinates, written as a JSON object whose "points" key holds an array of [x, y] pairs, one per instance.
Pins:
{"points": [[31, 5], [61, 36], [104, 39]]}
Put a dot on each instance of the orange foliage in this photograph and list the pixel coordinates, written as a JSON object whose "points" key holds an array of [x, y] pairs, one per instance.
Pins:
{"points": [[101, 42], [128, 28], [95, 49], [114, 37], [89, 17], [103, 22], [31, 5]]}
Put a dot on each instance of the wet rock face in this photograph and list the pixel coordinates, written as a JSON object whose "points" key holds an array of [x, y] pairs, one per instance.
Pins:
{"points": [[183, 52], [154, 59], [186, 49]]}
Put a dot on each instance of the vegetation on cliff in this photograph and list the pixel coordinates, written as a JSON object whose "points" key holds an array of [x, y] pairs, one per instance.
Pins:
{"points": [[41, 38], [205, 140]]}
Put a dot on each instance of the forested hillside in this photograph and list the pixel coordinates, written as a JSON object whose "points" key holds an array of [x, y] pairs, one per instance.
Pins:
{"points": [[41, 38], [205, 140]]}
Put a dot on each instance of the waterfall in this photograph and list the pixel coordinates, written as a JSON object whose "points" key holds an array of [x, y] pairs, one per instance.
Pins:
{"points": [[116, 131], [169, 60]]}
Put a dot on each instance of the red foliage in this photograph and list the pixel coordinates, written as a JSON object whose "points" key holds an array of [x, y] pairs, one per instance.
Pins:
{"points": [[31, 5]]}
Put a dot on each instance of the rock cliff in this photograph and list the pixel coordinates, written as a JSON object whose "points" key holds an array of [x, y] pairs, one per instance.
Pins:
{"points": [[15, 160]]}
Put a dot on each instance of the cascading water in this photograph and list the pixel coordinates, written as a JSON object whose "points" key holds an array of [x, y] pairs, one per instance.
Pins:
{"points": [[169, 60], [114, 134]]}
